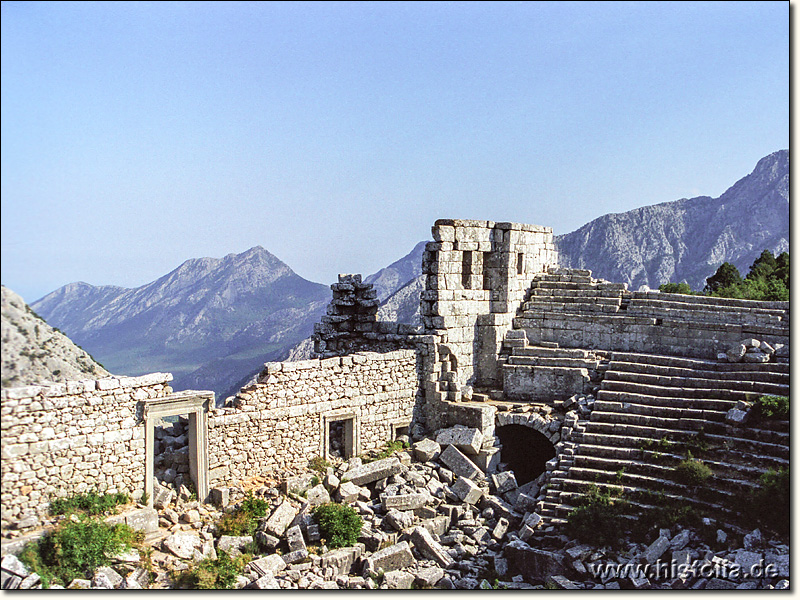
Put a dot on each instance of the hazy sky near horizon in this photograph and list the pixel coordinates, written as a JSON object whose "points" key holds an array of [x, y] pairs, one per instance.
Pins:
{"points": [[136, 135]]}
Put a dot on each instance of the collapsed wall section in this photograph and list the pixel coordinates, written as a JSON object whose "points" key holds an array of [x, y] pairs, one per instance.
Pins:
{"points": [[280, 423], [477, 273], [72, 437]]}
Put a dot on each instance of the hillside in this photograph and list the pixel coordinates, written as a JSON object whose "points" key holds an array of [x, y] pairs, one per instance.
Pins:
{"points": [[34, 352]]}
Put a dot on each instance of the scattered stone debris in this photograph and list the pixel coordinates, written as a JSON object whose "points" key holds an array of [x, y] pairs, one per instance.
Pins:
{"points": [[431, 519]]}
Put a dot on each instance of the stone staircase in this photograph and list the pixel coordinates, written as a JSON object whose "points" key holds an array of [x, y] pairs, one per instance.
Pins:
{"points": [[649, 411]]}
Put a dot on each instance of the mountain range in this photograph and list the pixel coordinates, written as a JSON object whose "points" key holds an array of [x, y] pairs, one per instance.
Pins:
{"points": [[213, 322]]}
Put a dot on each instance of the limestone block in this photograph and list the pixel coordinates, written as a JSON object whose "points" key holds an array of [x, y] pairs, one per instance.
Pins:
{"points": [[467, 439], [182, 545], [398, 580], [280, 519], [399, 520], [458, 463], [427, 577], [379, 469], [423, 541], [267, 565], [466, 490], [348, 492], [504, 482], [406, 501], [655, 550], [394, 557], [233, 544]]}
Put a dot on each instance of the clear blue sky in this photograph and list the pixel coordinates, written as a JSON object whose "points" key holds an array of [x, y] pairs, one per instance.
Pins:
{"points": [[138, 135]]}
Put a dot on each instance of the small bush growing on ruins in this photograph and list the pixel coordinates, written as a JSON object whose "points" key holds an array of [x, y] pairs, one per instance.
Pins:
{"points": [[389, 449], [339, 524], [599, 518], [215, 574], [772, 408], [319, 464], [677, 288], [698, 443], [244, 519], [769, 504], [76, 548], [91, 503], [691, 472]]}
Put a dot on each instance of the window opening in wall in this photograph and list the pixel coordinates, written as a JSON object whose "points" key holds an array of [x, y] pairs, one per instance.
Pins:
{"points": [[340, 438], [400, 432], [520, 263], [466, 270], [525, 451]]}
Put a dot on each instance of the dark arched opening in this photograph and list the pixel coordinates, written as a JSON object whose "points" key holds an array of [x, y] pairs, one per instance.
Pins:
{"points": [[525, 451]]}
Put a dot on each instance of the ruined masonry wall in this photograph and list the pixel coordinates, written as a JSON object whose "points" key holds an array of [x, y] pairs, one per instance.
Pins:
{"points": [[71, 437], [279, 424]]}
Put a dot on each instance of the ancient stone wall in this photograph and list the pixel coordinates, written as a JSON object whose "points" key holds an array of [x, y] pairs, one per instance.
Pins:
{"points": [[568, 307], [477, 275], [71, 437], [281, 422]]}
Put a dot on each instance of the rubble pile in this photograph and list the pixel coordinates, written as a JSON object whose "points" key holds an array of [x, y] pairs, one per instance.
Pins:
{"points": [[431, 519]]}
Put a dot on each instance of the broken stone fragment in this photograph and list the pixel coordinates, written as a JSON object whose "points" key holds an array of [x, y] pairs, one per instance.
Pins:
{"points": [[398, 580], [428, 577], [280, 519], [423, 541], [379, 469], [467, 439], [466, 490], [504, 481], [406, 501], [348, 492], [181, 545], [399, 520], [459, 464], [233, 544], [392, 558], [267, 565], [318, 495], [736, 352], [655, 550]]}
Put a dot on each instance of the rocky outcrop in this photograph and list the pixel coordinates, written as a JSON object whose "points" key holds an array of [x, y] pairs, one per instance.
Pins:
{"points": [[33, 352]]}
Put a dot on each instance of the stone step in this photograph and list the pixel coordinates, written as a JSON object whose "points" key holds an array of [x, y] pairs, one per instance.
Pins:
{"points": [[541, 297], [757, 441], [674, 303], [617, 398], [543, 304], [693, 363], [588, 292], [653, 409], [535, 361], [709, 315], [708, 379], [625, 391], [543, 352], [638, 452]]}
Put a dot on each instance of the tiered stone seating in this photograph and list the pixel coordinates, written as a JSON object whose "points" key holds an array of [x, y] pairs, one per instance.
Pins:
{"points": [[650, 410]]}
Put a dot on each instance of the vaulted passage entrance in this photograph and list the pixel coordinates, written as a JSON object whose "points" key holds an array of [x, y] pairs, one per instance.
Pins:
{"points": [[525, 451]]}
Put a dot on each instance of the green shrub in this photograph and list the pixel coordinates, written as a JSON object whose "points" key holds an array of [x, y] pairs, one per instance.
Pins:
{"points": [[769, 504], [91, 503], [772, 407], [691, 472], [599, 518], [319, 464], [339, 524], [676, 288], [215, 574], [244, 519], [389, 449], [76, 548]]}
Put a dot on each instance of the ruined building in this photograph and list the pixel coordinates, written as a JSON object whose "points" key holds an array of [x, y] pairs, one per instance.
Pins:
{"points": [[569, 379]]}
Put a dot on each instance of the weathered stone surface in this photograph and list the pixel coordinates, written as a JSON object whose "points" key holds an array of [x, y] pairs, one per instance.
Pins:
{"points": [[466, 490], [533, 564], [318, 495], [398, 580], [220, 497], [182, 545], [406, 501], [427, 450], [267, 565], [348, 492], [106, 578], [379, 469], [458, 463], [394, 557], [423, 541], [280, 519], [504, 482], [233, 544], [399, 520], [655, 550], [428, 577], [13, 565], [467, 439], [294, 538]]}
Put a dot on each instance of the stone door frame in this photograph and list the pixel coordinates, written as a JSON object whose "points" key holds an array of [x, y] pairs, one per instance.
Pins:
{"points": [[352, 432], [196, 405]]}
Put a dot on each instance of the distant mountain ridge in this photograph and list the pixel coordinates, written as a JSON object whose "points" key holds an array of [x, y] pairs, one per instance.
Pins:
{"points": [[202, 321], [687, 239]]}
